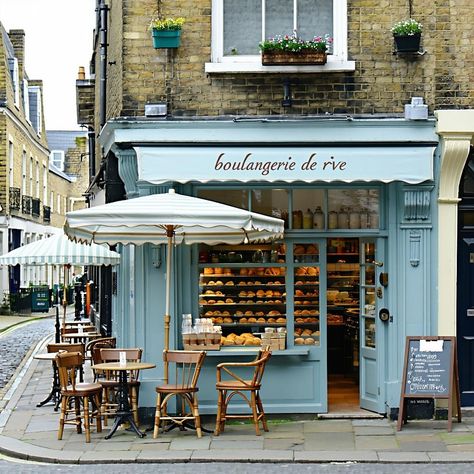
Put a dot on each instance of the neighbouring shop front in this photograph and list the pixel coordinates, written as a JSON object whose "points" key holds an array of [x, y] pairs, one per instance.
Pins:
{"points": [[354, 274]]}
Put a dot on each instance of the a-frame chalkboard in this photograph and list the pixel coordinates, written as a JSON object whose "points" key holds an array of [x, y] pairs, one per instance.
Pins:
{"points": [[430, 371]]}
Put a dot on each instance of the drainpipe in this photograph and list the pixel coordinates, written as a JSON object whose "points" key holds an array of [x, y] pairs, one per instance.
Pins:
{"points": [[91, 145], [103, 14]]}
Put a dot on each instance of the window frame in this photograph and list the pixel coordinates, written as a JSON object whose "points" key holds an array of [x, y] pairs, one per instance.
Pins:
{"points": [[337, 61]]}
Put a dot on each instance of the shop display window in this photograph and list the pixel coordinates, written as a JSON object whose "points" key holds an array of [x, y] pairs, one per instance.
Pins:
{"points": [[231, 197], [308, 209], [353, 209], [306, 294], [271, 202], [242, 289]]}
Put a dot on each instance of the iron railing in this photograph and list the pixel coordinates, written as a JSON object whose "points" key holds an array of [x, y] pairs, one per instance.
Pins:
{"points": [[35, 207], [26, 204], [15, 198], [46, 214]]}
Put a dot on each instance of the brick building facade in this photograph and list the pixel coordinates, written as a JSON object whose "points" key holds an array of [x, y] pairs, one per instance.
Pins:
{"points": [[33, 196], [220, 97]]}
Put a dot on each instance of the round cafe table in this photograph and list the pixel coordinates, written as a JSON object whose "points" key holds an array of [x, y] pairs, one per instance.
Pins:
{"points": [[80, 336], [55, 393], [124, 412]]}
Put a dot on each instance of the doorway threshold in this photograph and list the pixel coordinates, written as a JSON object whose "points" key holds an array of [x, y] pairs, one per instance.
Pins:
{"points": [[359, 414]]}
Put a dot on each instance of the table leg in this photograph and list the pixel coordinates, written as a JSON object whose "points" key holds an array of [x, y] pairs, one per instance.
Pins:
{"points": [[55, 393], [124, 412]]}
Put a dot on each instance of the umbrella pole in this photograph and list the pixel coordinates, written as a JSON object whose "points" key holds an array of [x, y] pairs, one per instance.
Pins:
{"points": [[169, 254]]}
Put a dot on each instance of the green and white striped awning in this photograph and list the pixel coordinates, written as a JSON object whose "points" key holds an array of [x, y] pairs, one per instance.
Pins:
{"points": [[59, 250]]}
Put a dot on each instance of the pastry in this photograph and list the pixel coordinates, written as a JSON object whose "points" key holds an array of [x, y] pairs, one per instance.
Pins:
{"points": [[229, 283], [211, 301], [219, 293], [281, 320], [299, 293], [301, 271], [227, 320], [242, 283], [261, 320], [312, 271], [299, 250], [242, 293], [243, 271], [208, 271], [229, 300], [248, 313], [211, 282], [239, 313], [271, 320], [225, 313], [309, 341], [218, 271], [252, 320], [208, 314], [220, 302], [299, 282], [299, 340], [208, 292], [311, 249], [239, 340], [250, 294], [243, 320], [260, 293], [274, 313], [219, 282], [259, 313]]}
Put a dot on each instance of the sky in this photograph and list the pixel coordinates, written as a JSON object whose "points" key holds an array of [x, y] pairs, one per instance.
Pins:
{"points": [[58, 39]]}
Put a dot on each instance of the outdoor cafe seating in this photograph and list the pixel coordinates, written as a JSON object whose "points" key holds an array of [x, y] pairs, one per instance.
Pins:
{"points": [[80, 402], [183, 386], [247, 387], [110, 383]]}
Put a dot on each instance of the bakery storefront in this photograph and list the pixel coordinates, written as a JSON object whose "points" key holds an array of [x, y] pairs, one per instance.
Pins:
{"points": [[353, 275]]}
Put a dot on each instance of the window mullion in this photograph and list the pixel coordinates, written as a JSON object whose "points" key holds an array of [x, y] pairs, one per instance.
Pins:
{"points": [[263, 19], [295, 15]]}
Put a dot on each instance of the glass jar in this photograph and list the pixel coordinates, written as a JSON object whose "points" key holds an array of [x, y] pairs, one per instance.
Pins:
{"points": [[343, 219], [332, 220], [318, 219], [354, 220], [374, 220], [297, 219], [308, 219]]}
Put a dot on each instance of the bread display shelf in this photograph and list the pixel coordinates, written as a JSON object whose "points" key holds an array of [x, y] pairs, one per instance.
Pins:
{"points": [[307, 325], [275, 325], [239, 287], [242, 304]]}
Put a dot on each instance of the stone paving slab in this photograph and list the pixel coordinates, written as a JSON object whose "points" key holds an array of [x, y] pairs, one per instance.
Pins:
{"points": [[335, 456], [243, 455], [399, 457]]}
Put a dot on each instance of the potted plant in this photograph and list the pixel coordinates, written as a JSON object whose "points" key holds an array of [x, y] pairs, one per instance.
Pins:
{"points": [[407, 35], [292, 50], [166, 33]]}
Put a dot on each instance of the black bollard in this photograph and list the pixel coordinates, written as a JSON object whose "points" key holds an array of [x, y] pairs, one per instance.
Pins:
{"points": [[58, 333]]}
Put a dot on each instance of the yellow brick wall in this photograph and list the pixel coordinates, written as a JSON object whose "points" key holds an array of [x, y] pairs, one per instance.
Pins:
{"points": [[382, 82]]}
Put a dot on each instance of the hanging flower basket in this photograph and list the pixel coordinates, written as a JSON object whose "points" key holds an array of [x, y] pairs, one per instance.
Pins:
{"points": [[166, 33], [305, 56], [407, 43], [166, 38]]}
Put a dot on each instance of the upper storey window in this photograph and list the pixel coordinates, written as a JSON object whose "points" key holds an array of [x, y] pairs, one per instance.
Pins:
{"points": [[238, 26]]}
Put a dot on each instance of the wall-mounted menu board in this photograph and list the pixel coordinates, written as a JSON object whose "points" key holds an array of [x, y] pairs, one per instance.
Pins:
{"points": [[430, 371]]}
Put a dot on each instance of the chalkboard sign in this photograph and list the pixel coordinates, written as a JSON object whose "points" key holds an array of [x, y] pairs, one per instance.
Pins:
{"points": [[430, 370]]}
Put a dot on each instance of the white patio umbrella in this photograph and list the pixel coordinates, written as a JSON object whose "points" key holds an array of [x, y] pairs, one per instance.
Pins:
{"points": [[166, 219], [59, 250]]}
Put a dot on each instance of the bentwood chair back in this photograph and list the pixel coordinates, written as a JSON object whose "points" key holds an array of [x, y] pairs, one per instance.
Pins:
{"points": [[246, 388], [111, 382], [183, 386], [80, 402], [69, 347]]}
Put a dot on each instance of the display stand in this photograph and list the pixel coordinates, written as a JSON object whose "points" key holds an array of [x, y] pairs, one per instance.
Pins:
{"points": [[430, 371]]}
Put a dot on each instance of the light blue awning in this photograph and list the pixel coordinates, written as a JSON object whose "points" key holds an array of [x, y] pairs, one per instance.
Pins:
{"points": [[409, 164]]}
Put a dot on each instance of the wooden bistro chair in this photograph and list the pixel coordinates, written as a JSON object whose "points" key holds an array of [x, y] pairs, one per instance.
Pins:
{"points": [[248, 389], [69, 347], [110, 383], [79, 401], [95, 345], [183, 386]]}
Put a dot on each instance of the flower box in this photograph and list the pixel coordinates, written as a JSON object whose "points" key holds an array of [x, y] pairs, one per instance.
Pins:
{"points": [[166, 38], [407, 43], [293, 58]]}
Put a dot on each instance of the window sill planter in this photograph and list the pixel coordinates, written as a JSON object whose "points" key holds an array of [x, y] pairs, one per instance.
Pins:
{"points": [[305, 56], [166, 38], [407, 43]]}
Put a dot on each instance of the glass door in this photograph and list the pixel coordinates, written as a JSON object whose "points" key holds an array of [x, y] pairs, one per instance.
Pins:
{"points": [[371, 299]]}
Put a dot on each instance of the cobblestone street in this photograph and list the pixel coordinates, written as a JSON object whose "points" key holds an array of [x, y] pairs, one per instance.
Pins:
{"points": [[15, 344]]}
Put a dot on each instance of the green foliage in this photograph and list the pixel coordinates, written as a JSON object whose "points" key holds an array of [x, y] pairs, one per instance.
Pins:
{"points": [[167, 24], [407, 28], [294, 44]]}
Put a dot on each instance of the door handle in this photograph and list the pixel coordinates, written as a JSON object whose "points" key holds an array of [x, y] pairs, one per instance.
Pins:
{"points": [[376, 263]]}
